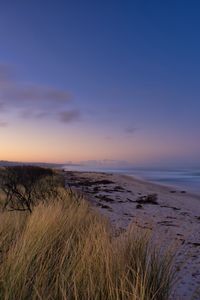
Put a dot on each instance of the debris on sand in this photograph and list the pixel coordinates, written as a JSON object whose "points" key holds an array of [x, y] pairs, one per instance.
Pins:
{"points": [[149, 199]]}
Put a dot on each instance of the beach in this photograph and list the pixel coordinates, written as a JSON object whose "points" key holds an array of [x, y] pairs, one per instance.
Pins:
{"points": [[171, 215]]}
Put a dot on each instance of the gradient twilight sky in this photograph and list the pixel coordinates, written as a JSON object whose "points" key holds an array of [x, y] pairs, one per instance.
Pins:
{"points": [[94, 80]]}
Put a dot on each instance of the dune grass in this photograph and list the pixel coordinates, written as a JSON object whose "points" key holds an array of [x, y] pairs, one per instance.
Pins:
{"points": [[66, 250]]}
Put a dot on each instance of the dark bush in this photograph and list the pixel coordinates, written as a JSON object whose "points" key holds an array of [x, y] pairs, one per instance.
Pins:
{"points": [[25, 185]]}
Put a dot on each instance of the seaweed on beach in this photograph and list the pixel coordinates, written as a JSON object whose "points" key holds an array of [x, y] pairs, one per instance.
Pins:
{"points": [[149, 199]]}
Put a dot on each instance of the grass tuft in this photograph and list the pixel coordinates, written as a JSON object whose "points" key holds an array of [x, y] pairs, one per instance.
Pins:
{"points": [[66, 250]]}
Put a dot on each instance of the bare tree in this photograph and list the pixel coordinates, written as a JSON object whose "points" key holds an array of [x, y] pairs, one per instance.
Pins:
{"points": [[20, 185]]}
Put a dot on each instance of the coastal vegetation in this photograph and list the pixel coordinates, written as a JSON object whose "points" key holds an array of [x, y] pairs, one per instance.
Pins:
{"points": [[55, 245]]}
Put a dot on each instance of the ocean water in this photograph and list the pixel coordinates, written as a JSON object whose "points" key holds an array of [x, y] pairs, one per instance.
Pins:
{"points": [[184, 179]]}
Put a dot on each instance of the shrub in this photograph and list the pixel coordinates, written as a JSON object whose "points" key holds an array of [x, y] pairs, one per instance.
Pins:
{"points": [[24, 185]]}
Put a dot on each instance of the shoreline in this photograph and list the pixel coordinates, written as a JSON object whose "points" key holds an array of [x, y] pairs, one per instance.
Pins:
{"points": [[174, 218], [135, 178], [178, 183], [163, 185]]}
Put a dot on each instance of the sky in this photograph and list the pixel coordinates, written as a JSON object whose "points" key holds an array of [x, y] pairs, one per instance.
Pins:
{"points": [[113, 81]]}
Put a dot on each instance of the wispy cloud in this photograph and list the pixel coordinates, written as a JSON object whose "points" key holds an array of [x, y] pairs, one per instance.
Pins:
{"points": [[5, 75], [2, 106], [69, 116], [108, 137], [66, 116], [34, 101], [30, 114], [18, 93], [130, 130], [26, 93], [3, 124]]}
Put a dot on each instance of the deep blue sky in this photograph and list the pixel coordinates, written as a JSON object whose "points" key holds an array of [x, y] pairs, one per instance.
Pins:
{"points": [[132, 69]]}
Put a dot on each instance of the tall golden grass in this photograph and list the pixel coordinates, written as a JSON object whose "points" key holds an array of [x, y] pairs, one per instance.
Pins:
{"points": [[66, 250]]}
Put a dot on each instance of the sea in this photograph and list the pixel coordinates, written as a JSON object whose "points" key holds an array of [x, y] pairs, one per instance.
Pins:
{"points": [[183, 179]]}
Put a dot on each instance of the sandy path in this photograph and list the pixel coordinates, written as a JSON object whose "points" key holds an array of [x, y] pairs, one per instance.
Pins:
{"points": [[175, 218]]}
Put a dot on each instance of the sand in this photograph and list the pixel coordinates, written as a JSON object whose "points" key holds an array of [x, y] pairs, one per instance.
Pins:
{"points": [[173, 220]]}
